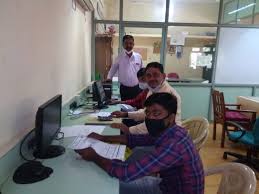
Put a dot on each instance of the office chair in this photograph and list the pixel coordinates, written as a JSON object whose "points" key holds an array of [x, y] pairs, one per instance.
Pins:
{"points": [[198, 129], [173, 75], [249, 138], [222, 114], [236, 178]]}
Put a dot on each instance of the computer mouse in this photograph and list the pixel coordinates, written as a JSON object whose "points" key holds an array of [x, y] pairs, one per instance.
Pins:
{"points": [[31, 172]]}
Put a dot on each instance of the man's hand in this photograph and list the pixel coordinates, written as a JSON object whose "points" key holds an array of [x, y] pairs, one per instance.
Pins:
{"points": [[119, 114], [112, 102], [121, 126], [96, 136], [87, 154]]}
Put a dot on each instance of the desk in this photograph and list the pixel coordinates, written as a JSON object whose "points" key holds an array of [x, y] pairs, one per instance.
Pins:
{"points": [[249, 102], [71, 175]]}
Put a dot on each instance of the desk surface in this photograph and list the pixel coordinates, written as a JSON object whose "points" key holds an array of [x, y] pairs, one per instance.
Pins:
{"points": [[71, 175], [249, 103]]}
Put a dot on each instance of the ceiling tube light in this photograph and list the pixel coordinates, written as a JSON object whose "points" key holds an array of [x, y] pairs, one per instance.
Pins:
{"points": [[242, 8]]}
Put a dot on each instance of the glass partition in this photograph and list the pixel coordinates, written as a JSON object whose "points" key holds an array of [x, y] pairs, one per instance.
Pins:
{"points": [[147, 42], [144, 10], [106, 9], [190, 54], [189, 11]]}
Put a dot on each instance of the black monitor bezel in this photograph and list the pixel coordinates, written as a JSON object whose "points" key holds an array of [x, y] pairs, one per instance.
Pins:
{"points": [[40, 148]]}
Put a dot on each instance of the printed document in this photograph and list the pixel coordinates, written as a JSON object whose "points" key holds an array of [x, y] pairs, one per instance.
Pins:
{"points": [[106, 150]]}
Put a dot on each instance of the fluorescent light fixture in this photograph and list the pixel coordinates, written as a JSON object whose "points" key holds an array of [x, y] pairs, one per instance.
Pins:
{"points": [[242, 8]]}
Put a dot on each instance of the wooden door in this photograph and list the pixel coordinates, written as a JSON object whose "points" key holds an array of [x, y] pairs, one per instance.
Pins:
{"points": [[103, 55]]}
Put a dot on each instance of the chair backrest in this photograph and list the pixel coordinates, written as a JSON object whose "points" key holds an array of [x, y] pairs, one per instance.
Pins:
{"points": [[256, 131], [173, 75], [198, 129], [236, 178], [218, 106]]}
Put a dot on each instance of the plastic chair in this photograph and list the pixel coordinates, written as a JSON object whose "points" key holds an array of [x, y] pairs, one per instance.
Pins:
{"points": [[198, 129], [222, 114], [236, 178]]}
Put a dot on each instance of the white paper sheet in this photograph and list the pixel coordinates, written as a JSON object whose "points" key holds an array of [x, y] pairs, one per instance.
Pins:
{"points": [[85, 130], [106, 150]]}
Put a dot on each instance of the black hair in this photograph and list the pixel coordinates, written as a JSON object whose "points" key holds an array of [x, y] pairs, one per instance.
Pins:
{"points": [[125, 37], [166, 100], [141, 72], [155, 65]]}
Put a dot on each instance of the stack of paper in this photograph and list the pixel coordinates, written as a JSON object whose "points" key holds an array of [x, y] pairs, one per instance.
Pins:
{"points": [[106, 150], [85, 130]]}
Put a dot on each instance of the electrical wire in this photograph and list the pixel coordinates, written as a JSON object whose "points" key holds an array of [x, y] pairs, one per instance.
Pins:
{"points": [[21, 154]]}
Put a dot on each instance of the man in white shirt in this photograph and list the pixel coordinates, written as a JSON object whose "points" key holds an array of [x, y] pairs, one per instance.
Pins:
{"points": [[128, 63], [155, 78]]}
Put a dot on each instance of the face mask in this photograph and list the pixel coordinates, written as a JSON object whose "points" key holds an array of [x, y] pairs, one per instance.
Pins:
{"points": [[155, 126], [143, 86], [156, 89], [128, 52]]}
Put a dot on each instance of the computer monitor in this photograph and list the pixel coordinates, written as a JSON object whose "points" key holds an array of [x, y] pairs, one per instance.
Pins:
{"points": [[48, 123], [99, 95]]}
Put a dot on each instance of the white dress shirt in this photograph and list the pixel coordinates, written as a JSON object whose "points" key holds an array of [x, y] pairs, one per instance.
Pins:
{"points": [[139, 115], [127, 68]]}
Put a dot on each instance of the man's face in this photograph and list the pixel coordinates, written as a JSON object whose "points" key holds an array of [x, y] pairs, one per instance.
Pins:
{"points": [[128, 44], [154, 77], [158, 112], [142, 79]]}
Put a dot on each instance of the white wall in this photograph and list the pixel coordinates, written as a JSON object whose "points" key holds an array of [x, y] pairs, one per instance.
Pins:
{"points": [[44, 51], [238, 56]]}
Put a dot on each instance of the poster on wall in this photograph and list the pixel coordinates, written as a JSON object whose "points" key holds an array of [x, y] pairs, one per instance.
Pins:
{"points": [[178, 38]]}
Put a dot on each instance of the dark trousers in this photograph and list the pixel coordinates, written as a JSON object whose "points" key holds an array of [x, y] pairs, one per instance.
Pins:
{"points": [[129, 92]]}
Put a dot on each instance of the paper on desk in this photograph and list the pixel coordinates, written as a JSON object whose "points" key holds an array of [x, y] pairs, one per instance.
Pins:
{"points": [[101, 114], [106, 150], [84, 130]]}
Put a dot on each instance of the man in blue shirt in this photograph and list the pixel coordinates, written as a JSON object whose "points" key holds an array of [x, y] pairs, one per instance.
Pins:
{"points": [[174, 156]]}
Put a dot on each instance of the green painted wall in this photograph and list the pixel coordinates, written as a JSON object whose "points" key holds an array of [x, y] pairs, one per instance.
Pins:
{"points": [[195, 100]]}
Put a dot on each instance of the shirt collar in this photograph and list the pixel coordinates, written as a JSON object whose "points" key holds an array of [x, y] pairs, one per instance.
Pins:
{"points": [[166, 134], [133, 54]]}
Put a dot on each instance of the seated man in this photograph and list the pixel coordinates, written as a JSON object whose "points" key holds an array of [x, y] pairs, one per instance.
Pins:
{"points": [[174, 156], [139, 100], [155, 78]]}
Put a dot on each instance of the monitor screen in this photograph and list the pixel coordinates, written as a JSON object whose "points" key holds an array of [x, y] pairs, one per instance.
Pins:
{"points": [[48, 123], [101, 91], [99, 94]]}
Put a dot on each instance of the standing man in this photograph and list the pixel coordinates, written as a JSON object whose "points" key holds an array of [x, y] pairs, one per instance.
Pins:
{"points": [[128, 63]]}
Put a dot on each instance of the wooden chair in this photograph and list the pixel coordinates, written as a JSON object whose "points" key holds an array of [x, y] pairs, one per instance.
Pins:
{"points": [[222, 114]]}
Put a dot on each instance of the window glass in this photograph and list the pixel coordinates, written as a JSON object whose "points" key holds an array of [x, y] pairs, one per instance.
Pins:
{"points": [[144, 10], [190, 53], [190, 11], [256, 13], [147, 42], [106, 9], [238, 11]]}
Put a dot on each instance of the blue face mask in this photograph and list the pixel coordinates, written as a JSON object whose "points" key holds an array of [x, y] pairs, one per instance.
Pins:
{"points": [[156, 126]]}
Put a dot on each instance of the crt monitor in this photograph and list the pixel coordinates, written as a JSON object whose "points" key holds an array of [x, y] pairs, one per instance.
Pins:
{"points": [[48, 123], [99, 94]]}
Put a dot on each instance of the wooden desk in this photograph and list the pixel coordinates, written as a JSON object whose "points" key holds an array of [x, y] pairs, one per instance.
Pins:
{"points": [[249, 102], [71, 175]]}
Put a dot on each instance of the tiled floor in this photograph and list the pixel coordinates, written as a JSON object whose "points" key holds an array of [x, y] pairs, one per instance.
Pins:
{"points": [[212, 154]]}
